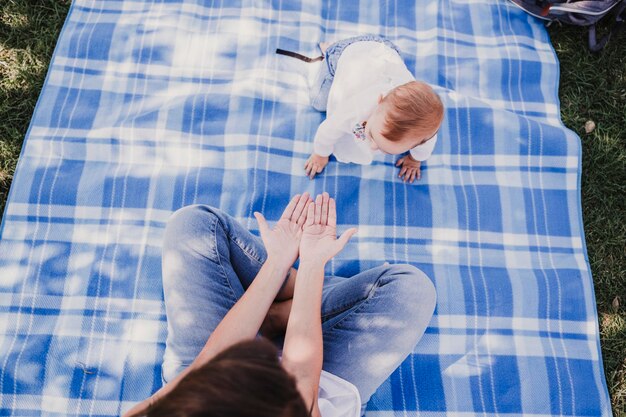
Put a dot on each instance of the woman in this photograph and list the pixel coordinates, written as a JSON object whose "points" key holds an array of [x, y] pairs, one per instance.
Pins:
{"points": [[342, 336]]}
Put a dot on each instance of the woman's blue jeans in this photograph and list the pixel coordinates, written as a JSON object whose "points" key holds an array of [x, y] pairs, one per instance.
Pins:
{"points": [[371, 322]]}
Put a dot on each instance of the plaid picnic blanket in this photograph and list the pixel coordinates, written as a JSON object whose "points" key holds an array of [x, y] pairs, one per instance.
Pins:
{"points": [[149, 106]]}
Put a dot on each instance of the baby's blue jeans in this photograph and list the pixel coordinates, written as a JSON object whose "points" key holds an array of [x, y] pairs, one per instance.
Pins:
{"points": [[371, 322], [321, 87]]}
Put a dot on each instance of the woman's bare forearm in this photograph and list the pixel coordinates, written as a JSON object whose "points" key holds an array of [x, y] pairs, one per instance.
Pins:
{"points": [[303, 347], [244, 319], [241, 323], [286, 292]]}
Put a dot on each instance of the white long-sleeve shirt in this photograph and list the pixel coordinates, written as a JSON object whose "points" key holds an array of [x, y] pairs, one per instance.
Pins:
{"points": [[364, 71]]}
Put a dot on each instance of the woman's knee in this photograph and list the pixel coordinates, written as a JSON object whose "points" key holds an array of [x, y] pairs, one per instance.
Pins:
{"points": [[413, 291], [190, 221], [191, 231]]}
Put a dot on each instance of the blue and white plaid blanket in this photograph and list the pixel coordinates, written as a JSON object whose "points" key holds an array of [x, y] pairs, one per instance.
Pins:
{"points": [[151, 106]]}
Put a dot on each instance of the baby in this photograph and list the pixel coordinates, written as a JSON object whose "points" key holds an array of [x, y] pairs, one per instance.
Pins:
{"points": [[372, 103]]}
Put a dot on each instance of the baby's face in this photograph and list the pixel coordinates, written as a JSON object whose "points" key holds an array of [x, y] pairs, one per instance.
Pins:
{"points": [[375, 125]]}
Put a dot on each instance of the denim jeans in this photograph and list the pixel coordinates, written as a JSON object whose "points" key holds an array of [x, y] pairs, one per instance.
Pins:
{"points": [[371, 322], [321, 87]]}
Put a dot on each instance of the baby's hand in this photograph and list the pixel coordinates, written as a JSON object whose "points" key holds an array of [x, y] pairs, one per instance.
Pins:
{"points": [[410, 169], [314, 165]]}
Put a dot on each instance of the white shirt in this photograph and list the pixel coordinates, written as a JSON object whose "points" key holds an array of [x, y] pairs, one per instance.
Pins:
{"points": [[364, 71], [338, 397]]}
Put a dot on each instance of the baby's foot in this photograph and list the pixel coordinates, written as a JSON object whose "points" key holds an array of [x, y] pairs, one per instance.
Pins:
{"points": [[323, 46]]}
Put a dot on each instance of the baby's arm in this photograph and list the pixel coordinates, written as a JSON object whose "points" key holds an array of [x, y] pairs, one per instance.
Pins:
{"points": [[423, 151], [328, 133], [410, 165]]}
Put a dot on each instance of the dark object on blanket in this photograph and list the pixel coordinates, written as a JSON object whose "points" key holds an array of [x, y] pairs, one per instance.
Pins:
{"points": [[298, 56], [580, 13]]}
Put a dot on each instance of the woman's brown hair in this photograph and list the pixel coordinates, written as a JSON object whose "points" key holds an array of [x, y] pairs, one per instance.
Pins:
{"points": [[245, 380]]}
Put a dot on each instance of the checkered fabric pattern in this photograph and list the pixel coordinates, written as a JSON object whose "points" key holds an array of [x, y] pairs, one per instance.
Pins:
{"points": [[149, 106]]}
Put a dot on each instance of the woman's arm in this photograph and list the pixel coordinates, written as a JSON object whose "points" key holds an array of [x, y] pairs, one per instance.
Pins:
{"points": [[244, 319], [303, 347], [241, 323]]}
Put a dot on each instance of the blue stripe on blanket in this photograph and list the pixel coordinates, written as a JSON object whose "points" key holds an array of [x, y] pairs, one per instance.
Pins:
{"points": [[151, 106]]}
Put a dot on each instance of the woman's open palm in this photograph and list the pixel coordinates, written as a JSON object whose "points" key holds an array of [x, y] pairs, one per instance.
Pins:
{"points": [[281, 242], [319, 242]]}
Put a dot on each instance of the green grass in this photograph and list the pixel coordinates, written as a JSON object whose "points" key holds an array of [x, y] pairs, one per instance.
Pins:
{"points": [[593, 87], [28, 34]]}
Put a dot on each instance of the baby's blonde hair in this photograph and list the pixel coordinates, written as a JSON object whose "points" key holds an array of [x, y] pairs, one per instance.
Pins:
{"points": [[412, 110]]}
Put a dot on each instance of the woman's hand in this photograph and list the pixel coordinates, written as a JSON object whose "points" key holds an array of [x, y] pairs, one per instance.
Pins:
{"points": [[281, 242], [411, 169], [319, 241]]}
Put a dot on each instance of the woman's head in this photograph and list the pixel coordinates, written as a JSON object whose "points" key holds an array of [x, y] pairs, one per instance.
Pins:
{"points": [[406, 117], [245, 380]]}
